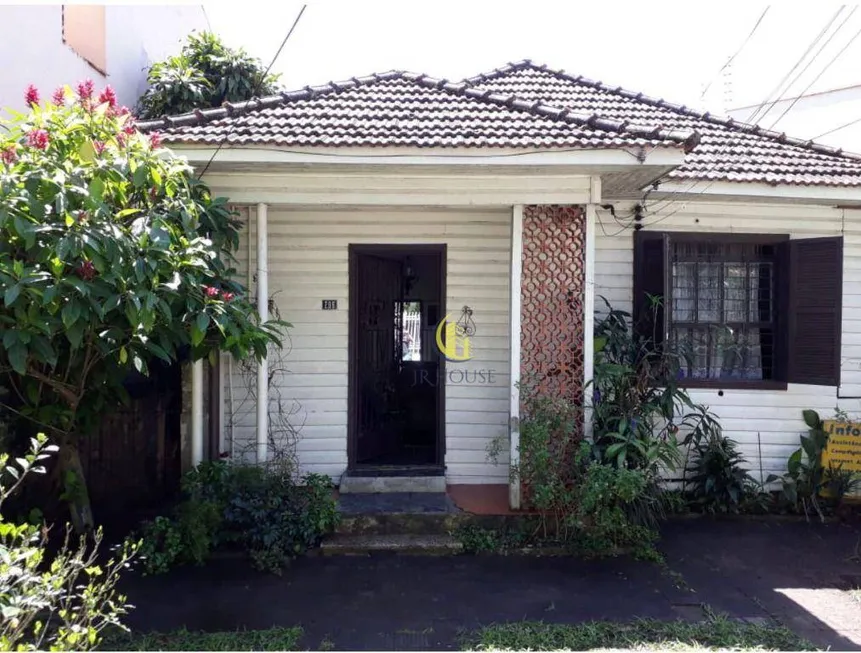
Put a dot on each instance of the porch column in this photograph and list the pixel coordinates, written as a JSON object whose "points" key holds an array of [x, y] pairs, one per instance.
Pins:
{"points": [[196, 413], [514, 345], [263, 310], [589, 304]]}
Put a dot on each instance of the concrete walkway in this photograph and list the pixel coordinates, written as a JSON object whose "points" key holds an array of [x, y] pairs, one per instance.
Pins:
{"points": [[792, 571]]}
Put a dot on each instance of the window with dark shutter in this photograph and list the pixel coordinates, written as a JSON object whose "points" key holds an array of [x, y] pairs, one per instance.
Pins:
{"points": [[815, 299], [752, 310]]}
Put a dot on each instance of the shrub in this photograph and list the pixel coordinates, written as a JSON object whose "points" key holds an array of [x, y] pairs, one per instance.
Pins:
{"points": [[112, 255], [62, 601], [205, 74], [717, 482], [550, 434], [806, 480], [256, 508]]}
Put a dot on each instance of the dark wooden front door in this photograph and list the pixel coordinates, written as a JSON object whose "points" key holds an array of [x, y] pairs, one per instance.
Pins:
{"points": [[395, 416]]}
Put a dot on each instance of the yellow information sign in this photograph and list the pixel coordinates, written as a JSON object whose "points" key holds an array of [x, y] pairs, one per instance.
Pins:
{"points": [[844, 445]]}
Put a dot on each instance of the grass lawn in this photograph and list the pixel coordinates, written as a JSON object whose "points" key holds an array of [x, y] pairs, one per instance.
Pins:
{"points": [[274, 639], [716, 633]]}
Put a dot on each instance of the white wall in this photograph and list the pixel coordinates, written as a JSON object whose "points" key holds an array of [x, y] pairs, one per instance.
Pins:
{"points": [[308, 262], [32, 49], [769, 419]]}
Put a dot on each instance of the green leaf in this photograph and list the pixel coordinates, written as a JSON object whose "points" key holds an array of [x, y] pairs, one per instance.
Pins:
{"points": [[124, 355], [70, 313], [140, 365], [139, 176], [96, 190], [11, 294], [87, 152], [811, 418], [18, 358], [75, 334], [202, 321], [158, 351]]}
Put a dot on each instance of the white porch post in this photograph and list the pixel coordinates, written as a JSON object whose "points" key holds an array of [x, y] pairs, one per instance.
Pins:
{"points": [[196, 413], [514, 372], [589, 305], [263, 310]]}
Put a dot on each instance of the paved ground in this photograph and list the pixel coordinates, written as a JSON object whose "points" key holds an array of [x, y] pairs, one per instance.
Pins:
{"points": [[794, 571]]}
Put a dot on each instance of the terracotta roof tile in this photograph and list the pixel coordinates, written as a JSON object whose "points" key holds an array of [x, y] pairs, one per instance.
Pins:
{"points": [[728, 151], [398, 109]]}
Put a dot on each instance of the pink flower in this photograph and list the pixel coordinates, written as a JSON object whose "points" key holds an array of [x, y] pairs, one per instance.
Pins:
{"points": [[86, 89], [59, 97], [38, 138], [227, 296], [121, 139], [129, 126], [155, 140], [210, 292], [109, 96], [87, 270], [123, 111], [31, 96], [9, 155], [99, 147]]}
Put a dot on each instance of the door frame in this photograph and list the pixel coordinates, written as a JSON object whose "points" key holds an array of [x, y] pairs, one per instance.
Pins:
{"points": [[354, 251]]}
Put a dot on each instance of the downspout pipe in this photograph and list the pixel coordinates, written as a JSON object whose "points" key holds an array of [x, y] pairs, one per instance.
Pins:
{"points": [[263, 310]]}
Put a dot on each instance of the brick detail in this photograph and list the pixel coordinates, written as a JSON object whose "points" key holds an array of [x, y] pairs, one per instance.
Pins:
{"points": [[551, 300]]}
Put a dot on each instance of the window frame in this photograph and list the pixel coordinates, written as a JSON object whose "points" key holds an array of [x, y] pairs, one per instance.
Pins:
{"points": [[781, 285]]}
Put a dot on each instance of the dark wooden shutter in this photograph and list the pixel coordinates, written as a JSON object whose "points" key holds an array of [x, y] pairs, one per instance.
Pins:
{"points": [[650, 274], [815, 300]]}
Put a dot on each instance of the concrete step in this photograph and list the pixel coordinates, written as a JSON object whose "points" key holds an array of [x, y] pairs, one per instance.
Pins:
{"points": [[403, 544], [401, 484]]}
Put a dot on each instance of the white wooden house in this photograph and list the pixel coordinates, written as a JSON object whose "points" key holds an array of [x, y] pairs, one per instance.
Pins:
{"points": [[498, 209]]}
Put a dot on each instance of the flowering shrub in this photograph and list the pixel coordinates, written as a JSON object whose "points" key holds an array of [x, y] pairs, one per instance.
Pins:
{"points": [[111, 255], [54, 599]]}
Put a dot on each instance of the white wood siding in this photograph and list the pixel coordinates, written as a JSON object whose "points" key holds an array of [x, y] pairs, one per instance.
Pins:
{"points": [[766, 420], [308, 262]]}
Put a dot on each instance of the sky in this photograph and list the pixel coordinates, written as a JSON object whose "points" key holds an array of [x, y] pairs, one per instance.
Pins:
{"points": [[668, 50]]}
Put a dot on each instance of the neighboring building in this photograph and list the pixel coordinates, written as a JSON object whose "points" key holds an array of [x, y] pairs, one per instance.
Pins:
{"points": [[52, 45], [484, 207], [830, 117]]}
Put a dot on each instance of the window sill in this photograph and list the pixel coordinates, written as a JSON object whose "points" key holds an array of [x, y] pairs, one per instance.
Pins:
{"points": [[717, 384]]}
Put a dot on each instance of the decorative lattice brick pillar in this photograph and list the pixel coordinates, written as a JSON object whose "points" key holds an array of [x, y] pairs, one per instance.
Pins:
{"points": [[551, 300]]}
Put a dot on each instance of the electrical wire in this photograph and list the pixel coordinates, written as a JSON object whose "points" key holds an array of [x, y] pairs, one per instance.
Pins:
{"points": [[737, 52], [768, 104], [837, 129], [821, 73], [254, 92]]}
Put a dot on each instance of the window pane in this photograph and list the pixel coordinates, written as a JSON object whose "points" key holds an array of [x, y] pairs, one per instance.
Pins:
{"points": [[718, 352], [684, 292], [709, 292], [735, 282]]}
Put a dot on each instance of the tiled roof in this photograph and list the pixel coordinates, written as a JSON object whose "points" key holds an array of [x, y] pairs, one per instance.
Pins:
{"points": [[728, 150], [400, 109]]}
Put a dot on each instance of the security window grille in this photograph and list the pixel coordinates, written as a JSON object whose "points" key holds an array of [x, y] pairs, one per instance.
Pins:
{"points": [[741, 310], [722, 307]]}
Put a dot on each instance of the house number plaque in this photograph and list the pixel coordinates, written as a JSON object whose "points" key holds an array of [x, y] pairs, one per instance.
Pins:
{"points": [[330, 304]]}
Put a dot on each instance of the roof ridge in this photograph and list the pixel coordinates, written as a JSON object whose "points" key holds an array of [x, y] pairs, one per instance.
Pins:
{"points": [[681, 109], [689, 139]]}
